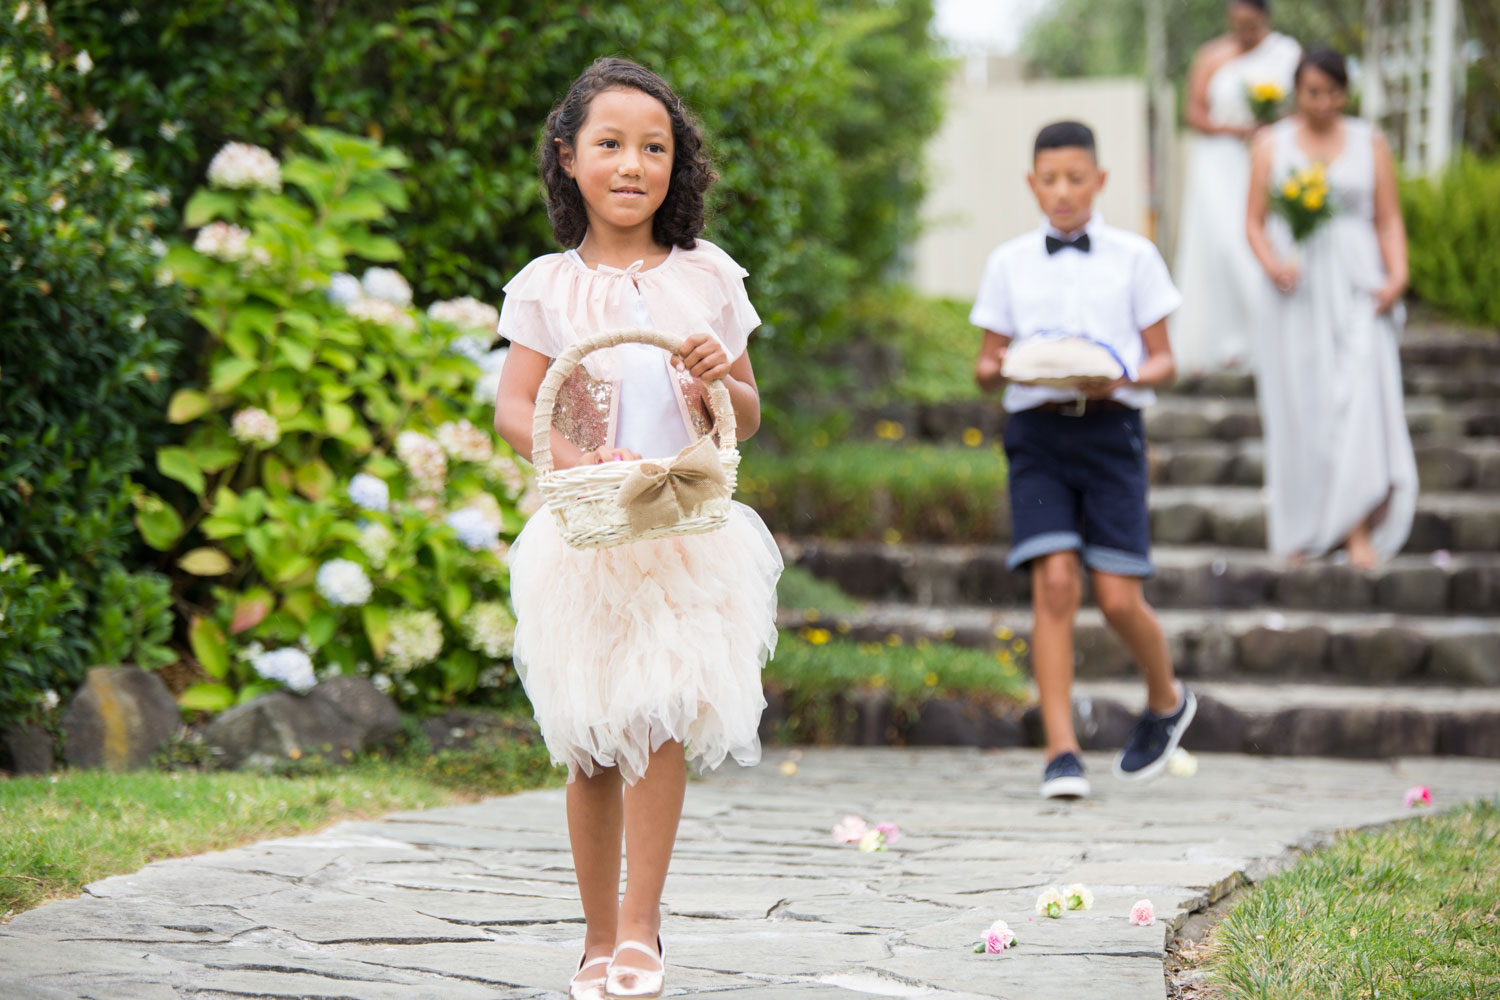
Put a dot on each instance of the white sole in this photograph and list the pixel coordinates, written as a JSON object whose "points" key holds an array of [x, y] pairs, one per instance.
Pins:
{"points": [[1154, 769], [1069, 787]]}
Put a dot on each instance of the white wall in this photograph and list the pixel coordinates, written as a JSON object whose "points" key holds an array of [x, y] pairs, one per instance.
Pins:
{"points": [[977, 164]]}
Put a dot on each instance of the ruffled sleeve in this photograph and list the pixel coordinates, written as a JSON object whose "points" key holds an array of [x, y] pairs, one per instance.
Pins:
{"points": [[703, 288], [529, 315]]}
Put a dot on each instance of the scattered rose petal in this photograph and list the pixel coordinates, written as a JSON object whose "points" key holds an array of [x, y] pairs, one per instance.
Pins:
{"points": [[872, 841], [1418, 795], [998, 938], [1442, 558], [890, 832], [1078, 897], [1182, 764], [1143, 914], [1050, 903], [850, 830]]}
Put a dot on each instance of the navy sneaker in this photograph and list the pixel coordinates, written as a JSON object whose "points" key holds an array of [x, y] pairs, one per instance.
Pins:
{"points": [[1063, 778], [1153, 740]]}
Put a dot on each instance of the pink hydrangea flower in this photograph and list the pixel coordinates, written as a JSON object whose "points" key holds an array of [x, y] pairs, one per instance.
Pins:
{"points": [[851, 831], [890, 831], [1418, 795], [1143, 914], [998, 938]]}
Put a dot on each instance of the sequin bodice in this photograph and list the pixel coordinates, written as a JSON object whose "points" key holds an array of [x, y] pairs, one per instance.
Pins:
{"points": [[584, 407]]}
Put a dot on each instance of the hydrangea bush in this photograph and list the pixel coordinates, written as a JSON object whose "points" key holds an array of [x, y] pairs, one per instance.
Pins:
{"points": [[346, 504]]}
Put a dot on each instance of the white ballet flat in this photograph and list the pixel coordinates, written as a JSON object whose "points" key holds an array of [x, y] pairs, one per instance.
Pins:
{"points": [[593, 989], [648, 983]]}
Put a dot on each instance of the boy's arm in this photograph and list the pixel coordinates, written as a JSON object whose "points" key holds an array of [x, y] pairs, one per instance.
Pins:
{"points": [[991, 360], [1159, 369]]}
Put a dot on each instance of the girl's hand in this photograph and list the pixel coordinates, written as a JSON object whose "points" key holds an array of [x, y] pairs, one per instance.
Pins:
{"points": [[601, 455], [702, 357], [1284, 276], [1388, 295]]}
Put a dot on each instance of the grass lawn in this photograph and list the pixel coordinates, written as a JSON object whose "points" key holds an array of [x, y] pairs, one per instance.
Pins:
{"points": [[59, 833], [1410, 911]]}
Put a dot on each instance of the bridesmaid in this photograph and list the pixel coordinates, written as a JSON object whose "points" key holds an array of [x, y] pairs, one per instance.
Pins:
{"points": [[1220, 281], [1339, 465]]}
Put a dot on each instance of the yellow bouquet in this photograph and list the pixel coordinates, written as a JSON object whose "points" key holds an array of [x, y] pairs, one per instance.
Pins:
{"points": [[1265, 101], [1302, 199]]}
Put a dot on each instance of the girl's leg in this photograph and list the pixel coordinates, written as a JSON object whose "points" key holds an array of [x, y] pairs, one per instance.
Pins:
{"points": [[596, 819], [653, 807], [1362, 554], [1056, 589], [1123, 602]]}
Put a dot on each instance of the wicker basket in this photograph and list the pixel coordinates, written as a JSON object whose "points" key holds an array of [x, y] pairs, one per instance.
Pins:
{"points": [[583, 499]]}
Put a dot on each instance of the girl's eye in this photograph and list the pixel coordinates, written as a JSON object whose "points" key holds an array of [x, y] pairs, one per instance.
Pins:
{"points": [[608, 143], [656, 147]]}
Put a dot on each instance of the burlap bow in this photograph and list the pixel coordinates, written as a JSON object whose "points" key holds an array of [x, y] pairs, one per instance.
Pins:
{"points": [[658, 494]]}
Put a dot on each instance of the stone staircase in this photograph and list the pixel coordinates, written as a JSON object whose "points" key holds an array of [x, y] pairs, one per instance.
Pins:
{"points": [[1320, 658]]}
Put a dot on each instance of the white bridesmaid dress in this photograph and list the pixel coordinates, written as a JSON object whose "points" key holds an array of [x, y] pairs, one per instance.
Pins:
{"points": [[1219, 277], [1329, 370]]}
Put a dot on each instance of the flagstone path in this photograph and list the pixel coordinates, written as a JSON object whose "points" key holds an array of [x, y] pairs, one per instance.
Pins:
{"points": [[477, 902]]}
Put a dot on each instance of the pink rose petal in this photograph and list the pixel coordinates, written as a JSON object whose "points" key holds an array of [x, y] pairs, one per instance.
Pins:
{"points": [[1143, 914], [998, 938], [850, 831], [1418, 795], [891, 831]]}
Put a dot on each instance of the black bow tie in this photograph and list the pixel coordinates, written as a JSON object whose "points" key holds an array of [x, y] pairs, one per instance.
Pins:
{"points": [[1081, 244]]}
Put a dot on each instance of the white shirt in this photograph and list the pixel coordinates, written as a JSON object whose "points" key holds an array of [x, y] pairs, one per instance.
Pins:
{"points": [[1110, 294]]}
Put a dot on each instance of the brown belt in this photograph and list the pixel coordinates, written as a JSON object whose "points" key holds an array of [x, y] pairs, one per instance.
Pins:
{"points": [[1082, 405]]}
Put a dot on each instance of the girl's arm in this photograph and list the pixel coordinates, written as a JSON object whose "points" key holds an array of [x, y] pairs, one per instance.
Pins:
{"points": [[1208, 60], [1284, 275], [1389, 228], [991, 360], [516, 402], [704, 358]]}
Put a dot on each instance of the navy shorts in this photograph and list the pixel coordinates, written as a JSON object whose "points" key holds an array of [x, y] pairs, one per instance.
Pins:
{"points": [[1079, 484]]}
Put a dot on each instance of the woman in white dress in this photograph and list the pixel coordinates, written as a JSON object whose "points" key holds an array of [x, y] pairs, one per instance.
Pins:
{"points": [[1339, 466], [1220, 281]]}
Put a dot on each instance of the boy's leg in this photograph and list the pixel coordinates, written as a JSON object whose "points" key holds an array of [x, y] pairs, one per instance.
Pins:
{"points": [[1056, 589], [1123, 601]]}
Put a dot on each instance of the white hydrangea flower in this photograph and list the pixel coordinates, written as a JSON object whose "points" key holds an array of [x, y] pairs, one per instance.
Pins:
{"points": [[465, 442], [476, 529], [382, 312], [223, 241], [387, 284], [494, 360], [382, 683], [253, 425], [416, 638], [22, 10], [469, 346], [424, 458], [344, 288], [376, 541], [130, 17], [507, 472], [529, 502], [370, 492], [290, 665], [240, 165], [57, 202], [83, 63], [467, 313], [344, 583], [493, 677], [486, 388], [50, 700], [490, 628], [121, 161], [170, 130]]}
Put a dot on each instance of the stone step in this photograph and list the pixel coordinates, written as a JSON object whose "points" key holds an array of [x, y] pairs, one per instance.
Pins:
{"points": [[1442, 463], [1454, 384], [1172, 418], [1263, 643], [1449, 347], [1186, 576]]}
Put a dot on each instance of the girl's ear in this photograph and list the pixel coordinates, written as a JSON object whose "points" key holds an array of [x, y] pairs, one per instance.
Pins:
{"points": [[564, 156]]}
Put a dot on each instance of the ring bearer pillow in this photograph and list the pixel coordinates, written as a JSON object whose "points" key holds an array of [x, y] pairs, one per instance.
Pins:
{"points": [[1062, 362]]}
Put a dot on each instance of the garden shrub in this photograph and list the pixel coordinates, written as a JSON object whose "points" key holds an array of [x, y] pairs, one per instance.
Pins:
{"points": [[1453, 228], [87, 339], [347, 499]]}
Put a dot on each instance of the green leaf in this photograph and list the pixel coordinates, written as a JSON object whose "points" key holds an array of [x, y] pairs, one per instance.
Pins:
{"points": [[207, 698], [206, 206], [377, 628], [255, 689], [209, 646], [380, 249], [298, 355], [275, 475], [205, 561], [315, 480], [216, 459], [339, 417], [179, 464], [249, 611], [186, 405], [228, 373], [321, 628], [158, 523], [301, 605], [456, 600]]}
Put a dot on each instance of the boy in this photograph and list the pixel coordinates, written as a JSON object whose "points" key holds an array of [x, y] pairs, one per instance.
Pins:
{"points": [[1078, 458]]}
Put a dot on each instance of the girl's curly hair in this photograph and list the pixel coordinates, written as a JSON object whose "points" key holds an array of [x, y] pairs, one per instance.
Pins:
{"points": [[680, 218]]}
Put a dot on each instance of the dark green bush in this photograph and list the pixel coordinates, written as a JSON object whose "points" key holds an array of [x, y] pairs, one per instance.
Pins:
{"points": [[797, 97], [86, 343], [1453, 225]]}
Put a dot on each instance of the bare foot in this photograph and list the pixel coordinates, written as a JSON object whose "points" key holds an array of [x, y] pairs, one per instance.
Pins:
{"points": [[1362, 554], [1297, 559]]}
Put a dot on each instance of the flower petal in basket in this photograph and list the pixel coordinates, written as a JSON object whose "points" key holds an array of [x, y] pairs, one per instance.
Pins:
{"points": [[1062, 362], [657, 494]]}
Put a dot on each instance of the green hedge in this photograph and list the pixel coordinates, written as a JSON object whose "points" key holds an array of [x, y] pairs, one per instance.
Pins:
{"points": [[1453, 227], [797, 96], [87, 338]]}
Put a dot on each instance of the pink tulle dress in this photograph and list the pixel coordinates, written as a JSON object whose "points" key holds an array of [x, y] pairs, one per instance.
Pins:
{"points": [[624, 649]]}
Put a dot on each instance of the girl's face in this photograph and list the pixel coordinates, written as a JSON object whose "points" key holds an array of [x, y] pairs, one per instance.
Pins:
{"points": [[621, 159], [1320, 99], [1247, 23]]}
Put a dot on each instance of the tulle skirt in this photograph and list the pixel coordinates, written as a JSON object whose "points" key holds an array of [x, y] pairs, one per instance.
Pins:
{"points": [[624, 649]]}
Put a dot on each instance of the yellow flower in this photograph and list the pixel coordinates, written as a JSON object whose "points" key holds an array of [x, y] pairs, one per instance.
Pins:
{"points": [[876, 680], [1312, 200], [812, 614], [889, 430], [893, 640], [816, 636], [1267, 91], [973, 437], [890, 536], [1291, 189], [930, 680]]}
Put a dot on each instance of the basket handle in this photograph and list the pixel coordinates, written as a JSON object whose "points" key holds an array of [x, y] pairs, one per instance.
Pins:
{"points": [[719, 403]]}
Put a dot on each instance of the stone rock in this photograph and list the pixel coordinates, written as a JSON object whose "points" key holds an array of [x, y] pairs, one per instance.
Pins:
{"points": [[1244, 529], [1345, 731], [1238, 426], [1324, 585], [458, 728], [1487, 470], [1471, 657], [1178, 425], [1378, 654], [1098, 652], [956, 722], [1284, 652], [1216, 728], [1179, 524], [1199, 466], [859, 572], [1249, 468], [119, 719], [1417, 589], [1207, 651], [339, 718], [1477, 530], [985, 580], [27, 749], [1216, 584], [1444, 467], [1430, 531], [1477, 588], [1100, 723], [1470, 734]]}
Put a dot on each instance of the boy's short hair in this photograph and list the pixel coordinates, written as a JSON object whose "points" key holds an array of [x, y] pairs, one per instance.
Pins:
{"points": [[1065, 135]]}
